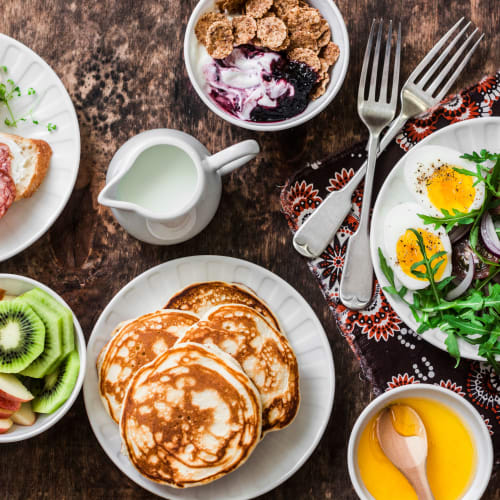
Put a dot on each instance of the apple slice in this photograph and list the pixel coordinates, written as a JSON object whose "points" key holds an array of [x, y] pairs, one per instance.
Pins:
{"points": [[25, 415], [5, 425], [6, 413], [11, 388], [9, 404]]}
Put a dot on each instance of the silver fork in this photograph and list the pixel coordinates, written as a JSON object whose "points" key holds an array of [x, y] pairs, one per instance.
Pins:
{"points": [[318, 230], [376, 112]]}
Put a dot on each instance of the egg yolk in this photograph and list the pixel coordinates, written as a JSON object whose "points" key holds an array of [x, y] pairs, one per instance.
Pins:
{"points": [[450, 190], [451, 458], [408, 252]]}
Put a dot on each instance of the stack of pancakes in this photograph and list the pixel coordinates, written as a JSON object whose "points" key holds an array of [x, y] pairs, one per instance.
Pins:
{"points": [[196, 386]]}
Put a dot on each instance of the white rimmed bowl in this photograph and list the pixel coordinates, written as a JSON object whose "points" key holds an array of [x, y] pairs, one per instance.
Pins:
{"points": [[338, 28], [16, 285], [467, 413]]}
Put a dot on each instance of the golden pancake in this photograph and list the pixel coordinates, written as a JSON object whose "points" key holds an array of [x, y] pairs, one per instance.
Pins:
{"points": [[190, 416], [134, 344], [201, 297], [264, 354]]}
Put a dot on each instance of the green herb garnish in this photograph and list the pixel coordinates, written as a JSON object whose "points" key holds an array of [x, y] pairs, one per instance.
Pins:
{"points": [[9, 91]]}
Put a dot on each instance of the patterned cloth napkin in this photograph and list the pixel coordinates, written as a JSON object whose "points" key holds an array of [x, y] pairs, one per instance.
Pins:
{"points": [[392, 354]]}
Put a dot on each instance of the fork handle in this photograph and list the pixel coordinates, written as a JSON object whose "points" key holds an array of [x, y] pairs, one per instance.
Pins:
{"points": [[318, 230], [356, 285]]}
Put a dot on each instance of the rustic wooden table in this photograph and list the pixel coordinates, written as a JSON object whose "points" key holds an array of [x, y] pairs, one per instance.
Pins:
{"points": [[122, 64]]}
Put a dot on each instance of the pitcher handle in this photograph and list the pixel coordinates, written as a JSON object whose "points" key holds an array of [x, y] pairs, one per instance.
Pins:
{"points": [[174, 230], [233, 157]]}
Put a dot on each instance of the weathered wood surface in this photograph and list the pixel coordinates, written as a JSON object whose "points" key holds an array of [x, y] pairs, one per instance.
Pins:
{"points": [[122, 63]]}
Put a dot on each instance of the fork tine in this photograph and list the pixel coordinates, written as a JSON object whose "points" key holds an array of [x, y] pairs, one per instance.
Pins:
{"points": [[442, 57], [433, 52], [395, 77], [385, 71], [451, 63], [366, 60], [373, 79], [459, 69]]}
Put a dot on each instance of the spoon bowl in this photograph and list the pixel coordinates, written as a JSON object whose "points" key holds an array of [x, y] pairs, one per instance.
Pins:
{"points": [[403, 439]]}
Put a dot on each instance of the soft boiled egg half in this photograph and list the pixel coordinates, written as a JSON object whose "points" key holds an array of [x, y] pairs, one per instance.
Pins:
{"points": [[402, 250], [431, 177]]}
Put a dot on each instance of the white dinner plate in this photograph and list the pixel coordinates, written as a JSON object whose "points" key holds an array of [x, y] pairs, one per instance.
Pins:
{"points": [[28, 219], [467, 136], [280, 453]]}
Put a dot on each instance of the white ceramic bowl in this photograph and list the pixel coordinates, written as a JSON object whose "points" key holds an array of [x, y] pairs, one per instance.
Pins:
{"points": [[467, 413], [330, 12], [16, 285]]}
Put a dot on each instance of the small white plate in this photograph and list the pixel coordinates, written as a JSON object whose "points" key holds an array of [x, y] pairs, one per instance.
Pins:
{"points": [[27, 220], [16, 285], [281, 453], [468, 136]]}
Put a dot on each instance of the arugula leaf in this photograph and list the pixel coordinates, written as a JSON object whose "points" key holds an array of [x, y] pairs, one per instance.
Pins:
{"points": [[449, 220]]}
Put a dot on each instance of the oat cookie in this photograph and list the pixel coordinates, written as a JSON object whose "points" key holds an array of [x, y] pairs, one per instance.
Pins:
{"points": [[204, 22], [320, 88], [257, 8], [306, 56], [303, 39], [220, 39], [271, 31], [244, 29], [330, 53], [283, 6]]}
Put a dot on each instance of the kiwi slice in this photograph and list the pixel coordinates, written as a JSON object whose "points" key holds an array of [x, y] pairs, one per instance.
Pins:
{"points": [[40, 297], [58, 385], [34, 385], [22, 336], [51, 355]]}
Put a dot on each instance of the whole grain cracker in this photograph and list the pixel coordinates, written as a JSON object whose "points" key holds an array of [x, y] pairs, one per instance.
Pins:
{"points": [[230, 5], [204, 22], [303, 39], [220, 39], [272, 32], [306, 56], [324, 66], [320, 88], [244, 29], [325, 38], [330, 52], [304, 19], [284, 45], [257, 8], [283, 6]]}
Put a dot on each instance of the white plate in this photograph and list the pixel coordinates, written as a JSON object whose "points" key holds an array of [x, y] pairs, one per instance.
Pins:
{"points": [[468, 136], [16, 285], [281, 453], [27, 220]]}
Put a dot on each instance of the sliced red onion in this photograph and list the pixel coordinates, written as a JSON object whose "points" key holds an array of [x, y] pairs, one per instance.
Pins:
{"points": [[489, 234], [465, 284], [458, 232]]}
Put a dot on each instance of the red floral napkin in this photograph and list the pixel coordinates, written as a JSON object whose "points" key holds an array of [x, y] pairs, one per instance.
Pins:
{"points": [[392, 354]]}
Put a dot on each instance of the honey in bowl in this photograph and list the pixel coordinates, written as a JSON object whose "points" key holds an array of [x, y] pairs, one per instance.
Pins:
{"points": [[451, 456]]}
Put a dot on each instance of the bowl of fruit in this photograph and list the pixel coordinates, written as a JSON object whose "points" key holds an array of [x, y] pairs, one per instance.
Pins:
{"points": [[42, 358]]}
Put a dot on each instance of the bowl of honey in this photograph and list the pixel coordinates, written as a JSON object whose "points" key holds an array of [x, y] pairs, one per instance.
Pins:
{"points": [[460, 451]]}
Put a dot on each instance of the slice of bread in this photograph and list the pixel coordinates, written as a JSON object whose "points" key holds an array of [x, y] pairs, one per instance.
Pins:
{"points": [[30, 159]]}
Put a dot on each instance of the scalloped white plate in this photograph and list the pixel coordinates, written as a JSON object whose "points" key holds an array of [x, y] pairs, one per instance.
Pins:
{"points": [[468, 136], [281, 453], [27, 220]]}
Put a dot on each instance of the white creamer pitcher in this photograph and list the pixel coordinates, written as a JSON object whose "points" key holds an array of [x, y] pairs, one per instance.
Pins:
{"points": [[164, 187]]}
